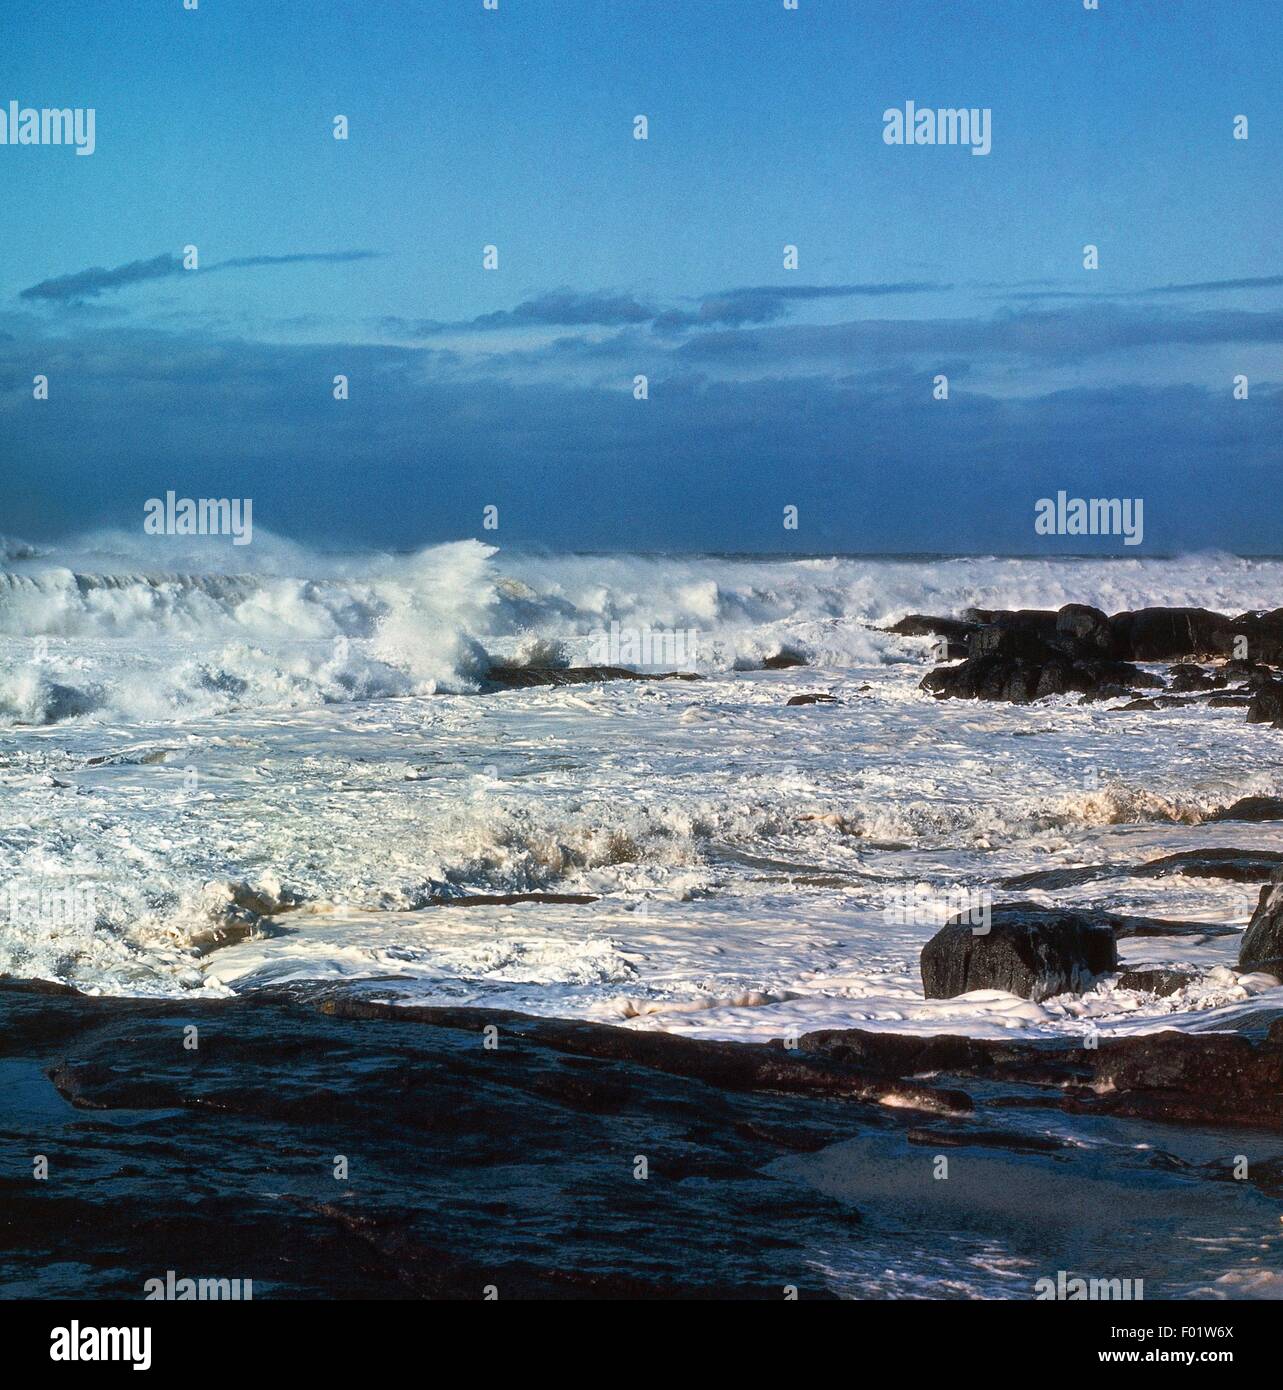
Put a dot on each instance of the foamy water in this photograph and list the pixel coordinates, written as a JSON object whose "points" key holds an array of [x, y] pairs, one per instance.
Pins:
{"points": [[181, 735]]}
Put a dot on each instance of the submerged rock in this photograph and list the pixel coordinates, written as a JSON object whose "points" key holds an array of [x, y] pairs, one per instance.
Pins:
{"points": [[1159, 981], [1189, 677], [1031, 951], [1239, 865]]}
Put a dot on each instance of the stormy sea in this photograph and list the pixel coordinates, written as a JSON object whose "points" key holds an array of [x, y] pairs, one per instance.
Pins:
{"points": [[418, 924]]}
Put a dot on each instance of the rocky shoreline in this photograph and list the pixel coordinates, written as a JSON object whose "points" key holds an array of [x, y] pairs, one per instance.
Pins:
{"points": [[536, 1157], [1025, 654], [325, 1142]]}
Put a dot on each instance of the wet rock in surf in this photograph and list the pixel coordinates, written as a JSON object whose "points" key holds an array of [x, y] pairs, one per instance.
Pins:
{"points": [[1252, 808], [1026, 950], [1262, 947], [1237, 865], [1002, 674], [1158, 981], [1187, 676], [1171, 634], [1192, 1078], [813, 700], [1026, 654], [1086, 627], [511, 899], [1267, 705], [954, 631], [526, 677], [1264, 633]]}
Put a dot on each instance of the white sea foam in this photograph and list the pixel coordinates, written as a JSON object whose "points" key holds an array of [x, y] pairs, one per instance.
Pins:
{"points": [[304, 629], [209, 748]]}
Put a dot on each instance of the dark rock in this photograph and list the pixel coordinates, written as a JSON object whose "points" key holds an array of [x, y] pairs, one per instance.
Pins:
{"points": [[1014, 642], [1264, 633], [1206, 1079], [1254, 808], [1237, 865], [1182, 701], [1210, 1079], [1051, 879], [1156, 981], [509, 899], [1267, 705], [471, 1166], [1085, 627], [922, 625], [1030, 951], [525, 677], [1171, 634], [1262, 947], [1108, 692], [1187, 677], [1039, 621], [1237, 668], [1126, 926], [813, 700], [784, 660], [1016, 680], [987, 1139]]}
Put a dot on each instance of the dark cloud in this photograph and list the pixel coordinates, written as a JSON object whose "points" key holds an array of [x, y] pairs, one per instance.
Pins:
{"points": [[768, 303], [1054, 335], [1256, 282], [299, 258], [570, 308], [872, 461], [89, 284], [566, 308]]}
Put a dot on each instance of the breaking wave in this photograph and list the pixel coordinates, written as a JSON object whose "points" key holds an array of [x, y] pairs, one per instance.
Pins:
{"points": [[98, 627]]}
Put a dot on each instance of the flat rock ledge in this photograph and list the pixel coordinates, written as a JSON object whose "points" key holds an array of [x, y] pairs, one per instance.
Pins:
{"points": [[491, 1148]]}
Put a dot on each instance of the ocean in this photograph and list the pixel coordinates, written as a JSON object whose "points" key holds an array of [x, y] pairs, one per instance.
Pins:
{"points": [[296, 780], [220, 776]]}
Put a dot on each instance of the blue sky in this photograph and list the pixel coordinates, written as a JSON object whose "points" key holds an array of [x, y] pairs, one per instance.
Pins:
{"points": [[768, 387]]}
